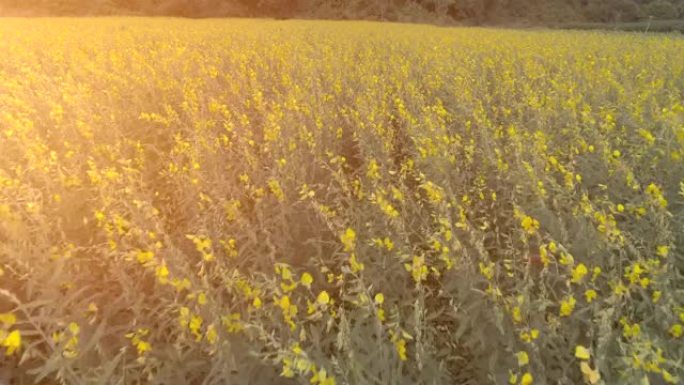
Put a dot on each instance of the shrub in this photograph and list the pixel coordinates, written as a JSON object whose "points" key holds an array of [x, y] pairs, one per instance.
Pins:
{"points": [[661, 9]]}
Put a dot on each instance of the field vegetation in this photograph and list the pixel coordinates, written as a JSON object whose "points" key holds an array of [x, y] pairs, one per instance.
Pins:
{"points": [[300, 202]]}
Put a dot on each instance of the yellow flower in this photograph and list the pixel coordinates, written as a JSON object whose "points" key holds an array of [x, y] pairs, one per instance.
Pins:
{"points": [[400, 346], [512, 378], [620, 289], [162, 273], [284, 302], [8, 319], [529, 224], [277, 191], [306, 280], [143, 347], [669, 378], [195, 325], [515, 313], [379, 298], [526, 379], [381, 314], [630, 331], [534, 333], [566, 259], [633, 272], [579, 272], [212, 334], [487, 270], [523, 358], [656, 296], [287, 369], [74, 328], [582, 353], [662, 251], [567, 306], [354, 263], [202, 299], [676, 330], [590, 375], [144, 257], [348, 239], [12, 342], [417, 268], [590, 295], [323, 298], [256, 302], [373, 170], [553, 247]]}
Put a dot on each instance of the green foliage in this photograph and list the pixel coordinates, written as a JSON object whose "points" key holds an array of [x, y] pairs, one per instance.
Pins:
{"points": [[661, 9]]}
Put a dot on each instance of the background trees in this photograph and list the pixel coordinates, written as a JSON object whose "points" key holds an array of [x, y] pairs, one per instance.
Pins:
{"points": [[470, 11]]}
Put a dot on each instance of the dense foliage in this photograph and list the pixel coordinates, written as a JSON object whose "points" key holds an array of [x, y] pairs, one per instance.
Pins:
{"points": [[261, 202], [443, 11]]}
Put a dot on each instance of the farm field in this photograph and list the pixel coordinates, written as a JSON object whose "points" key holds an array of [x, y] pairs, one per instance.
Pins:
{"points": [[237, 201]]}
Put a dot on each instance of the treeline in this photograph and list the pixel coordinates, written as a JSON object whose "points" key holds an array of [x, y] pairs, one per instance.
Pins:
{"points": [[473, 11]]}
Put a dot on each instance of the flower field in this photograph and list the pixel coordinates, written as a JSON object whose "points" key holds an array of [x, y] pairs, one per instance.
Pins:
{"points": [[311, 202]]}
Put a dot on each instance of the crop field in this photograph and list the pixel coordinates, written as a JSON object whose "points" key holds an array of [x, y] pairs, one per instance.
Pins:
{"points": [[315, 202]]}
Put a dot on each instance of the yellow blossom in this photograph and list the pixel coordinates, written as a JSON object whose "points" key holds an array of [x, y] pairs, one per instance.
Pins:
{"points": [[590, 295], [144, 257], [567, 306], [529, 224], [202, 299], [656, 296], [516, 314], [162, 273], [590, 375], [211, 334], [257, 302], [582, 353], [400, 346], [323, 298], [348, 239], [579, 272], [8, 319], [662, 251], [12, 342], [631, 331], [306, 280], [669, 378], [512, 378], [527, 379]]}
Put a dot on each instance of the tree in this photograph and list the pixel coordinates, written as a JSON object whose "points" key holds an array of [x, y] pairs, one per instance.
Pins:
{"points": [[661, 9]]}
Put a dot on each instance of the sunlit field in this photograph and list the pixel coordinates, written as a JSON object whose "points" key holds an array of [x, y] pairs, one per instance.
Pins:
{"points": [[299, 202]]}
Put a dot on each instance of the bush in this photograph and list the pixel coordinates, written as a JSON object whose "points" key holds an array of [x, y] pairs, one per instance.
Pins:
{"points": [[661, 9], [613, 11]]}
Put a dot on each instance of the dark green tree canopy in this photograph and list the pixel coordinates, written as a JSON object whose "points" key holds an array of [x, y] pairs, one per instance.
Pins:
{"points": [[470, 11]]}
